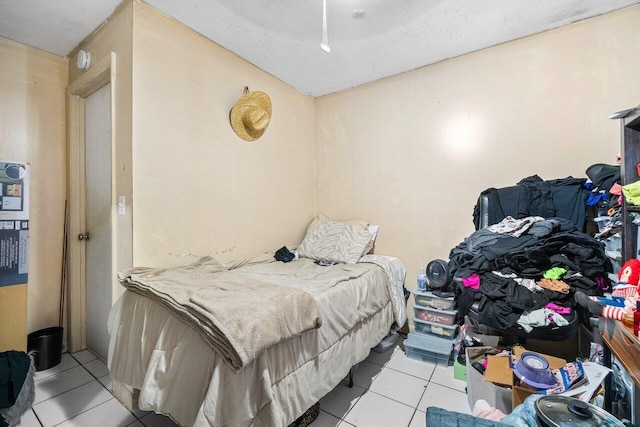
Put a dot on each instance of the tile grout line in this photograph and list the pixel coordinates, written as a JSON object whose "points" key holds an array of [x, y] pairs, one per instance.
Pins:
{"points": [[358, 400], [345, 414], [37, 418], [421, 396], [98, 378], [91, 373], [397, 401], [411, 375], [368, 389], [81, 363], [64, 370], [430, 380], [105, 387], [87, 410], [74, 388], [415, 411]]}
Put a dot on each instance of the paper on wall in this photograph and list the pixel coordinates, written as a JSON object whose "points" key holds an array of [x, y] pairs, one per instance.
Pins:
{"points": [[14, 223]]}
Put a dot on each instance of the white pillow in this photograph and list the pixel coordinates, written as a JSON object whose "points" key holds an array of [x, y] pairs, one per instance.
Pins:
{"points": [[373, 230], [360, 223], [334, 241]]}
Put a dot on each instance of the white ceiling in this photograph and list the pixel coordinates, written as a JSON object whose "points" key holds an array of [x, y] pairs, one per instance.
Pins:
{"points": [[283, 37]]}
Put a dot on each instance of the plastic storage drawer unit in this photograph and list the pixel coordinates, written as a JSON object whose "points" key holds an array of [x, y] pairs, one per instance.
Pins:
{"points": [[429, 300], [439, 329], [429, 348], [432, 315]]}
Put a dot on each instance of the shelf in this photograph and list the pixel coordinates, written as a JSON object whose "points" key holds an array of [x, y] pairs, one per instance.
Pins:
{"points": [[630, 153], [623, 344]]}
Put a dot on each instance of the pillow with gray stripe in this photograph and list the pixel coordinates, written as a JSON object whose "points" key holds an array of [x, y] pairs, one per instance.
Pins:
{"points": [[334, 241]]}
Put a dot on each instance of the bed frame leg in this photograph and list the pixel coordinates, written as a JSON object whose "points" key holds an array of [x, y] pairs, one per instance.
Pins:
{"points": [[127, 395], [351, 377]]}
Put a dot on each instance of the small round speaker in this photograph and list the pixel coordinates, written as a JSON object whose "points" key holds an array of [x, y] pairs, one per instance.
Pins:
{"points": [[438, 276]]}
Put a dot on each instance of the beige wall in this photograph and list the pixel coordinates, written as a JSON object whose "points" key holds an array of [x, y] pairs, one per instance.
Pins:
{"points": [[410, 153], [413, 152], [198, 188], [32, 129]]}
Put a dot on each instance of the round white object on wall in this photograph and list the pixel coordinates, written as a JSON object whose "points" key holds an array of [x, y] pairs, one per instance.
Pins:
{"points": [[83, 60]]}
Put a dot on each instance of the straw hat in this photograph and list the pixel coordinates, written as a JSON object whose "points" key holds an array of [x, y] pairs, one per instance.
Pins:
{"points": [[251, 115]]}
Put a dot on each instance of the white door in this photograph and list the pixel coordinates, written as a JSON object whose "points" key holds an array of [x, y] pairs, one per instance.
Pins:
{"points": [[98, 218]]}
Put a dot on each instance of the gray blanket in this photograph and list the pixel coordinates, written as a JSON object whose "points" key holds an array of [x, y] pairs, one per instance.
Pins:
{"points": [[239, 316]]}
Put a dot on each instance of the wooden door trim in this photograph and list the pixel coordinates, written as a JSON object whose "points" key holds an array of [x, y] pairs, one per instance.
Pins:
{"points": [[100, 74]]}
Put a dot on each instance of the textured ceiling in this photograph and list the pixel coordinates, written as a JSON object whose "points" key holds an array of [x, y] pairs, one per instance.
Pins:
{"points": [[369, 39]]}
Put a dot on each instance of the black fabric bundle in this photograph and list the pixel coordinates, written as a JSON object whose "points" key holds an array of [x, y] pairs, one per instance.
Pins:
{"points": [[502, 299], [283, 254], [564, 198]]}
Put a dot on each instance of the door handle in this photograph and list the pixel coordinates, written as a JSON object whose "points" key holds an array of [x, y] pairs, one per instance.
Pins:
{"points": [[84, 236]]}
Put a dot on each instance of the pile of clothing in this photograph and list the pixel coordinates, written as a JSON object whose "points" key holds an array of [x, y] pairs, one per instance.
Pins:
{"points": [[526, 271], [606, 196]]}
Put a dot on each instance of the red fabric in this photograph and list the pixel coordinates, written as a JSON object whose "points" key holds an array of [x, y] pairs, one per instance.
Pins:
{"points": [[630, 272], [610, 312]]}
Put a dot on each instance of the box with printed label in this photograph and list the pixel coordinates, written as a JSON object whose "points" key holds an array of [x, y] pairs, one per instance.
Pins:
{"points": [[424, 327], [446, 317], [430, 300]]}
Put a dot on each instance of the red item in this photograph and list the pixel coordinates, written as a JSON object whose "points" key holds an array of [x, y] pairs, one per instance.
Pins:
{"points": [[611, 312], [630, 272]]}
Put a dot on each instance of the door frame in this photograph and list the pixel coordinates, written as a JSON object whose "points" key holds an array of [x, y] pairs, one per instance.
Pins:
{"points": [[101, 73]]}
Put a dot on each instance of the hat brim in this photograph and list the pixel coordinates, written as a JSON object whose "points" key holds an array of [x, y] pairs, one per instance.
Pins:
{"points": [[600, 171]]}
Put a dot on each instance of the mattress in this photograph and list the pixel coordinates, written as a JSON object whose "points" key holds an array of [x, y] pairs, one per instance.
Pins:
{"points": [[178, 374]]}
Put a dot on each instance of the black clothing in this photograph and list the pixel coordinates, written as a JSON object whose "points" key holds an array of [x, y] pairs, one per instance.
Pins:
{"points": [[532, 196], [503, 300]]}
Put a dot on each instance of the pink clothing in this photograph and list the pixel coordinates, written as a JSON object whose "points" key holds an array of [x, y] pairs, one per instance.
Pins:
{"points": [[472, 282], [558, 309], [616, 189]]}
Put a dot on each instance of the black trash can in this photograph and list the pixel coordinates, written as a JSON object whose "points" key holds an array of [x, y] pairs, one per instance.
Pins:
{"points": [[46, 345]]}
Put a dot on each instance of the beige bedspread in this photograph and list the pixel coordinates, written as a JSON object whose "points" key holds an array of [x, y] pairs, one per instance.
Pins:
{"points": [[238, 316], [177, 374]]}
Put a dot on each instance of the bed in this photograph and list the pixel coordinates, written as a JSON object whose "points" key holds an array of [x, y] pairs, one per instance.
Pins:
{"points": [[160, 362]]}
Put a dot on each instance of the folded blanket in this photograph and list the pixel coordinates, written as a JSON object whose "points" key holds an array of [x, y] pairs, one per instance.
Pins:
{"points": [[239, 316]]}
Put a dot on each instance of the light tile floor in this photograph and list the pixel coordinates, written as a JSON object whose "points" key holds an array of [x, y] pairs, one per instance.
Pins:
{"points": [[389, 390]]}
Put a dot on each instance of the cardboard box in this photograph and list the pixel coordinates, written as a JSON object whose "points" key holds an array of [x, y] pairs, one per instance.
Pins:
{"points": [[13, 317], [499, 372], [499, 386], [498, 396]]}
